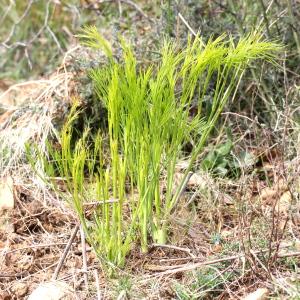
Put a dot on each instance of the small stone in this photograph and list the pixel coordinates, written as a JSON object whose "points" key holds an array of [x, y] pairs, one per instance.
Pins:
{"points": [[55, 290], [7, 200], [259, 294]]}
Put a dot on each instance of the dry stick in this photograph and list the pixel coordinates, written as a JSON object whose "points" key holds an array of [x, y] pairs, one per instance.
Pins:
{"points": [[219, 274], [261, 264], [16, 275], [187, 24], [97, 285], [96, 203], [122, 295], [120, 8], [289, 254], [189, 267], [34, 246], [61, 261], [187, 250], [192, 199], [84, 260], [189, 27], [186, 181], [177, 259], [109, 201]]}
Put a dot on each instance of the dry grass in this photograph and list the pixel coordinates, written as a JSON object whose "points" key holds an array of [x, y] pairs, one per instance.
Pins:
{"points": [[203, 243], [237, 234], [228, 236]]}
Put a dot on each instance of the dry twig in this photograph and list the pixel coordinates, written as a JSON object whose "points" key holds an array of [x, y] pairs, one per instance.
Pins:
{"points": [[170, 270], [186, 250], [96, 275], [63, 257], [84, 260]]}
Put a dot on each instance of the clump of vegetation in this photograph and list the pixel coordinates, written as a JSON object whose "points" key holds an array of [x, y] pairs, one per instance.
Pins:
{"points": [[201, 283], [132, 166]]}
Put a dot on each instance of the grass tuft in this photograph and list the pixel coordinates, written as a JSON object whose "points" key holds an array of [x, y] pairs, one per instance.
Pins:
{"points": [[132, 166]]}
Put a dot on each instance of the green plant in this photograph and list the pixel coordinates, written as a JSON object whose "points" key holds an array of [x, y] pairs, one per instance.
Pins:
{"points": [[204, 284], [218, 160], [149, 123], [183, 293], [124, 284], [149, 112]]}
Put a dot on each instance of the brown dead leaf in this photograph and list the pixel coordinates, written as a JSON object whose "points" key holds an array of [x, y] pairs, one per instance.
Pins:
{"points": [[268, 193], [217, 248], [271, 194], [7, 188]]}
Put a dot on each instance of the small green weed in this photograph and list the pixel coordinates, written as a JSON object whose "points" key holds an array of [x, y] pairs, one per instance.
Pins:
{"points": [[218, 160], [203, 282], [124, 285]]}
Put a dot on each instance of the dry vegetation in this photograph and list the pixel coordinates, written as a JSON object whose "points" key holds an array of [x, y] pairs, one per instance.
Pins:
{"points": [[235, 229]]}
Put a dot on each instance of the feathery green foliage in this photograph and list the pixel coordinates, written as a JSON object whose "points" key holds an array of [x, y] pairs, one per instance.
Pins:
{"points": [[149, 123]]}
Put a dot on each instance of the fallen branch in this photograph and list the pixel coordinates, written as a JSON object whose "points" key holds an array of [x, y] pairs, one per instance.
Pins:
{"points": [[168, 270], [62, 259]]}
